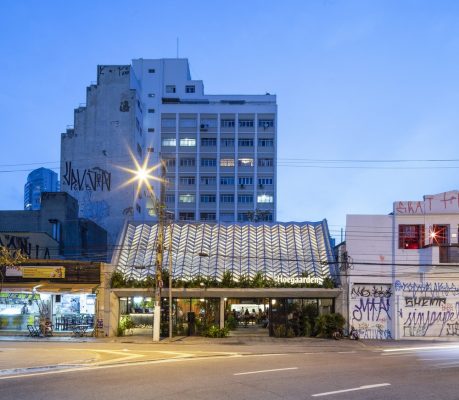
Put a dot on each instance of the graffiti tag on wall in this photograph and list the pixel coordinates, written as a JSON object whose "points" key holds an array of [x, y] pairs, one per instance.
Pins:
{"points": [[370, 310], [428, 309], [86, 179], [22, 243]]}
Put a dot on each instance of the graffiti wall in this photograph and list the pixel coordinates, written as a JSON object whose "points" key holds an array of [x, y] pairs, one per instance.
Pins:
{"points": [[370, 308], [428, 309]]}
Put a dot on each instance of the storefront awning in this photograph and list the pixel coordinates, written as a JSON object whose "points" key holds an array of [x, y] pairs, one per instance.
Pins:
{"points": [[233, 293], [48, 287]]}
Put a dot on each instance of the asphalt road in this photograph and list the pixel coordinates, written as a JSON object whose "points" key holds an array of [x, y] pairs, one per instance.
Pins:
{"points": [[257, 370]]}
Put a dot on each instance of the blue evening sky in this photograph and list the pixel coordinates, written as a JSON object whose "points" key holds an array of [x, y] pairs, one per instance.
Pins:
{"points": [[355, 80]]}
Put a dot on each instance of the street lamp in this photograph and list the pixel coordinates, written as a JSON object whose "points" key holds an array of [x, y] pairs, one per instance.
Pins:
{"points": [[142, 174]]}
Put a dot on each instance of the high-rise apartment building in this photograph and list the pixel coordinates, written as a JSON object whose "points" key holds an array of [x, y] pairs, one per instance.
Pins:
{"points": [[38, 181], [219, 150]]}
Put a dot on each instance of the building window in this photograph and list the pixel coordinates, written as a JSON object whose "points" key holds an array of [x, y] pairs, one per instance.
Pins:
{"points": [[227, 162], [188, 123], [265, 162], [243, 217], [246, 123], [151, 95], [227, 198], [245, 142], [265, 181], [170, 88], [245, 162], [208, 142], [170, 198], [208, 216], [170, 162], [227, 180], [265, 198], [438, 235], [227, 142], [227, 123], [226, 217], [151, 129], [170, 181], [151, 71], [170, 142], [56, 229], [187, 162], [151, 110], [265, 123], [186, 198], [245, 198], [150, 150], [411, 236], [190, 89], [187, 180], [168, 123], [208, 198], [207, 123], [208, 162], [245, 180], [186, 216], [265, 143], [188, 142], [139, 150], [208, 180]]}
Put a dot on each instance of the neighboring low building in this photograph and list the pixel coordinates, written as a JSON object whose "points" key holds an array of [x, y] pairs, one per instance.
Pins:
{"points": [[70, 294], [400, 269], [278, 270], [54, 231]]}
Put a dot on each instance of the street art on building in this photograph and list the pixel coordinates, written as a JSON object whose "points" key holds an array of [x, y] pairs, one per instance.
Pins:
{"points": [[86, 179], [428, 309], [370, 308]]}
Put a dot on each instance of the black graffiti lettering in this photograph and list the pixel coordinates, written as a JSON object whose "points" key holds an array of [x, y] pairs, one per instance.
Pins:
{"points": [[424, 301], [87, 179], [452, 329]]}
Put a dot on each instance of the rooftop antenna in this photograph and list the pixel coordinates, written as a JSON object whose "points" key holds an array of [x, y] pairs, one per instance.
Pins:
{"points": [[177, 47]]}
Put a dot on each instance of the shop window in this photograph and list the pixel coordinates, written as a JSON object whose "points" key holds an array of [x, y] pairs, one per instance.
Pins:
{"points": [[410, 236], [438, 235]]}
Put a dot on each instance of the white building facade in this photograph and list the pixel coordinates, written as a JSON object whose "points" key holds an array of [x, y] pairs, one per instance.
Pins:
{"points": [[401, 270], [219, 150]]}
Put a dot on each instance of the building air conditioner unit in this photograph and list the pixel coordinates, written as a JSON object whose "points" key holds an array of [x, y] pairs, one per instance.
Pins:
{"points": [[204, 127], [260, 186]]}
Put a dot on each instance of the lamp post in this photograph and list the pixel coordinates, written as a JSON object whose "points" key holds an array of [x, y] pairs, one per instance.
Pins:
{"points": [[170, 277], [142, 174]]}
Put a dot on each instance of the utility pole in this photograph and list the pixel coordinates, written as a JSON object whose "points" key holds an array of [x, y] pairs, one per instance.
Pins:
{"points": [[159, 255], [170, 278]]}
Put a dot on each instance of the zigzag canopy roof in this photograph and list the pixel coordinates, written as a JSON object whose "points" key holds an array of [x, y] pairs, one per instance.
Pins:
{"points": [[209, 250]]}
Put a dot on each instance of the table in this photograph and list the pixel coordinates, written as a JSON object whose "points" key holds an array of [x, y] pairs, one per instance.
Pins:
{"points": [[80, 330]]}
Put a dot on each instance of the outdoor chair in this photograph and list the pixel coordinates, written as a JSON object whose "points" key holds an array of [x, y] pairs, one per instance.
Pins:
{"points": [[33, 331]]}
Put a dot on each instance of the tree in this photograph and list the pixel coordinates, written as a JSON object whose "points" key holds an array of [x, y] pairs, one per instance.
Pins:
{"points": [[9, 258]]}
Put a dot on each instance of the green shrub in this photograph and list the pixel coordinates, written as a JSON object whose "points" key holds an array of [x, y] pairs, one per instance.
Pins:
{"points": [[231, 323], [280, 331], [327, 324], [214, 331]]}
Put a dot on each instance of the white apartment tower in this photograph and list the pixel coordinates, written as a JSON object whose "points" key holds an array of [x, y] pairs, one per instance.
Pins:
{"points": [[220, 150]]}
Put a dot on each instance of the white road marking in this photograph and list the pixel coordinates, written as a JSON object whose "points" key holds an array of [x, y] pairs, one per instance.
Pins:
{"points": [[346, 352], [442, 347], [447, 364], [265, 370], [120, 365], [351, 390]]}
